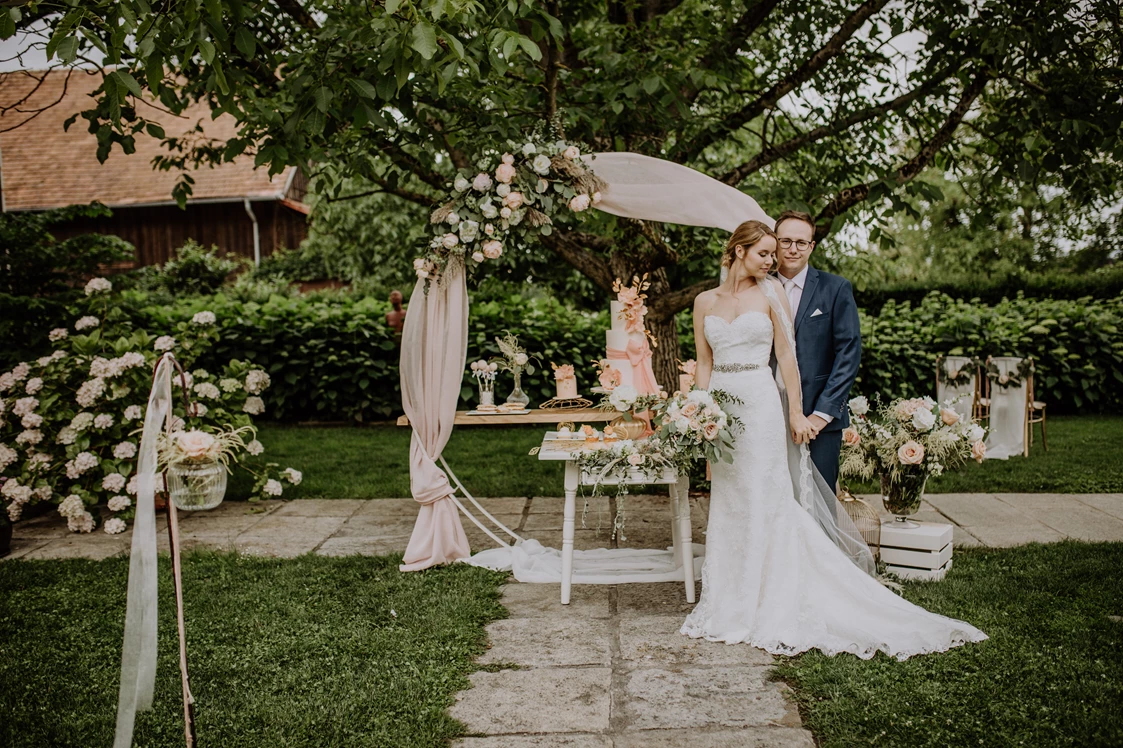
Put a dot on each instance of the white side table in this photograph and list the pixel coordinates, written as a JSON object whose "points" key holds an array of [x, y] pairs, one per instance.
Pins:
{"points": [[921, 552], [677, 485]]}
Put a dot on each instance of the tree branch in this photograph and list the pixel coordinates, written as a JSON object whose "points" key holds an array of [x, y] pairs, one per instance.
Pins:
{"points": [[851, 196], [667, 305], [297, 12], [746, 26], [790, 146], [569, 247], [785, 85]]}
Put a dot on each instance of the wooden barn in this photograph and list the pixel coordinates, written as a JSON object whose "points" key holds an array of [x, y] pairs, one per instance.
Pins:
{"points": [[234, 206]]}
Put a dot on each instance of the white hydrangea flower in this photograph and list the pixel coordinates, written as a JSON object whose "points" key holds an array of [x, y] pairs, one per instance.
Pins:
{"points": [[58, 355], [14, 511], [67, 435], [21, 371], [16, 491], [229, 385], [24, 406], [257, 381], [131, 360], [44, 493], [100, 367], [103, 421], [199, 410], [273, 487], [90, 391], [164, 343], [98, 285], [115, 526], [82, 421], [133, 412], [85, 323], [255, 406], [84, 522], [207, 390], [71, 506], [57, 334], [113, 482], [7, 381], [30, 437], [125, 451], [44, 361], [7, 456], [33, 385], [292, 476], [255, 447], [204, 318], [131, 488], [32, 421], [119, 503], [84, 461]]}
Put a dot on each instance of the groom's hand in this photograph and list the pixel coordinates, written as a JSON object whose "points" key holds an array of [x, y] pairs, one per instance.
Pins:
{"points": [[817, 424]]}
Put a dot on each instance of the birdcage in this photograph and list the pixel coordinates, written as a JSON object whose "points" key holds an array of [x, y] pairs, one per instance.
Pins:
{"points": [[865, 517]]}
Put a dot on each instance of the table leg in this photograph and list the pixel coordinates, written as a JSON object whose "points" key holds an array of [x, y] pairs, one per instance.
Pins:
{"points": [[676, 536], [682, 489], [572, 475]]}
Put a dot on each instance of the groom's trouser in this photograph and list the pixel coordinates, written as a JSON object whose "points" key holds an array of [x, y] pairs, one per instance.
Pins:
{"points": [[825, 449]]}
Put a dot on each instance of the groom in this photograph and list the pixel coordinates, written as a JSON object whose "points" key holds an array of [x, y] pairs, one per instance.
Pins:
{"points": [[827, 338]]}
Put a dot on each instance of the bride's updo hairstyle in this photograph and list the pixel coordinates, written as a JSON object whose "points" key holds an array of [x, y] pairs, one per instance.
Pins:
{"points": [[745, 235]]}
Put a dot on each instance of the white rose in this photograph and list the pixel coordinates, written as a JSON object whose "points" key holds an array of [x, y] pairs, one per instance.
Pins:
{"points": [[460, 184], [452, 218], [469, 230], [504, 212], [572, 152], [541, 164], [488, 209], [521, 359], [623, 397], [579, 203], [975, 432], [195, 444], [502, 190], [923, 420], [529, 149], [859, 406], [482, 182]]}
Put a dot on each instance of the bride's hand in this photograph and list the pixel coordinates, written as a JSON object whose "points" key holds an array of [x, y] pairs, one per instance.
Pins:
{"points": [[802, 432]]}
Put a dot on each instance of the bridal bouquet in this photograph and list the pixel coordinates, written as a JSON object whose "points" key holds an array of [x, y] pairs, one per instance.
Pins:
{"points": [[694, 426], [914, 438]]}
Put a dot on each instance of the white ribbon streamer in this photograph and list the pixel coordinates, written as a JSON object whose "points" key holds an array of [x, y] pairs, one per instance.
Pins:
{"points": [[138, 655]]}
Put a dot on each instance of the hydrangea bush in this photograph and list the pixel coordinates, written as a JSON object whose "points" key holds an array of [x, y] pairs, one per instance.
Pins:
{"points": [[70, 421]]}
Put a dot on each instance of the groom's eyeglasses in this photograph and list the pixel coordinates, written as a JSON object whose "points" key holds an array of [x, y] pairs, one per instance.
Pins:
{"points": [[801, 244]]}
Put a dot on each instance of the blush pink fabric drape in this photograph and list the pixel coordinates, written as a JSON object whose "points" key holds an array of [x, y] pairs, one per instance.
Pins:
{"points": [[434, 349]]}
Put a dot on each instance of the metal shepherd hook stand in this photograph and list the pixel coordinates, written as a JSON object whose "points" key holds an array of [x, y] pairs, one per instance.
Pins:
{"points": [[137, 673]]}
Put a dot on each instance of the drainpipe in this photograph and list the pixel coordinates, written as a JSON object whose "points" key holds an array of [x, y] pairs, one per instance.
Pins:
{"points": [[256, 232]]}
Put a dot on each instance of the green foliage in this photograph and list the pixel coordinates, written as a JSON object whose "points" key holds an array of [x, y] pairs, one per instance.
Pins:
{"points": [[1048, 676], [1075, 344], [365, 656], [194, 270]]}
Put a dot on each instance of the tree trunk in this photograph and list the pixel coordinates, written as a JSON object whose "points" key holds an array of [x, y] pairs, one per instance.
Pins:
{"points": [[664, 354]]}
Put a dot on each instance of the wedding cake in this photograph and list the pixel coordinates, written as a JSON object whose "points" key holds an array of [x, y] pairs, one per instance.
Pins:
{"points": [[627, 350]]}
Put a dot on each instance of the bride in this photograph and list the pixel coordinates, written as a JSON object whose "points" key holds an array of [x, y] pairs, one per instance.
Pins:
{"points": [[783, 571]]}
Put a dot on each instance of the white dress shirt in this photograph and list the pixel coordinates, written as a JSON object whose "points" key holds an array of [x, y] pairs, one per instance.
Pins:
{"points": [[794, 289]]}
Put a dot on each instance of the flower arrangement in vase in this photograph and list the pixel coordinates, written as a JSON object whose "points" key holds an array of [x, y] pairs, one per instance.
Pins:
{"points": [[197, 464], [914, 439], [484, 373], [626, 401], [515, 360]]}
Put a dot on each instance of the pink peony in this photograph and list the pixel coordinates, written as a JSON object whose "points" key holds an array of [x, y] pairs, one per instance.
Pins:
{"points": [[979, 451], [949, 417], [579, 203], [505, 173], [851, 436], [492, 249], [710, 431], [911, 453], [195, 444]]}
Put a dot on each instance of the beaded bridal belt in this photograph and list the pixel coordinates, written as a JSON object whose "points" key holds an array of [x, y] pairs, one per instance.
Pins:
{"points": [[731, 368]]}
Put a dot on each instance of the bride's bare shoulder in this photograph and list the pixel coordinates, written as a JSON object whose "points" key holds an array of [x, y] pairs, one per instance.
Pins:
{"points": [[705, 301]]}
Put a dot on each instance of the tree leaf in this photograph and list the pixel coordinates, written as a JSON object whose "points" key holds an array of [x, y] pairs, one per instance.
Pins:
{"points": [[362, 88], [424, 40], [206, 50], [245, 42], [322, 95]]}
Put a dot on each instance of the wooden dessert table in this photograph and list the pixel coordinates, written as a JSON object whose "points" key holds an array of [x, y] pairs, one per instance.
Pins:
{"points": [[537, 415]]}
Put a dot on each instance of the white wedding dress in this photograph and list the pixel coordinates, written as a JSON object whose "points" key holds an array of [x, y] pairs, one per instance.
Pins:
{"points": [[772, 577]]}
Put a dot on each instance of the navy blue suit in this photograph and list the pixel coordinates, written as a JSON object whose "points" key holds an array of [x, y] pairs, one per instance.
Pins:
{"points": [[828, 343]]}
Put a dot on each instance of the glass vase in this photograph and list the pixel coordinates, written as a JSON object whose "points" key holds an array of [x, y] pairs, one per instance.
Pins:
{"points": [[194, 486], [902, 497], [487, 392], [517, 396]]}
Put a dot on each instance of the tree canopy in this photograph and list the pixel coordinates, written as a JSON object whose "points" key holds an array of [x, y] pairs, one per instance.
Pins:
{"points": [[833, 107]]}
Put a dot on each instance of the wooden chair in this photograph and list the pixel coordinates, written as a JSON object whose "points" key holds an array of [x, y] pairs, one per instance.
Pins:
{"points": [[941, 373], [1035, 413], [980, 403]]}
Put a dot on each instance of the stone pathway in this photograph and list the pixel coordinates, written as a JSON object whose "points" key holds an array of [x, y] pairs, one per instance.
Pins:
{"points": [[610, 669]]}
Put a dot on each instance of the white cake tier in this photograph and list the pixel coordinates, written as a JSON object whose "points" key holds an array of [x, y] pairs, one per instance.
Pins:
{"points": [[567, 388], [624, 366], [617, 320], [618, 339]]}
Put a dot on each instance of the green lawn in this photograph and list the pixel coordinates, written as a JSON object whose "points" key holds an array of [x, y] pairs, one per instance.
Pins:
{"points": [[1050, 675], [303, 652], [1085, 456]]}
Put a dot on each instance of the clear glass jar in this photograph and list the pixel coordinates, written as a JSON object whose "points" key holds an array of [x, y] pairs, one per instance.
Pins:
{"points": [[193, 486]]}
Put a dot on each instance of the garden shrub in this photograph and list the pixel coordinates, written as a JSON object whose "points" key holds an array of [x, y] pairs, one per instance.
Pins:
{"points": [[1105, 283]]}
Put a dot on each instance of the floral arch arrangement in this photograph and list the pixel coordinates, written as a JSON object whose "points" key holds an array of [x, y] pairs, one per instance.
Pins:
{"points": [[512, 198]]}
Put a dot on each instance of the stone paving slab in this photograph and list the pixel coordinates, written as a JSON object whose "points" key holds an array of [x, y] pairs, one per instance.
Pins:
{"points": [[745, 737], [993, 521], [655, 641], [539, 700], [536, 741], [550, 642], [1067, 515], [727, 696]]}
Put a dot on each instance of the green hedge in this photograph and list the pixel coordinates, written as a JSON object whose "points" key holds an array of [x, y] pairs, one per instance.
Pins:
{"points": [[1106, 283], [332, 357]]}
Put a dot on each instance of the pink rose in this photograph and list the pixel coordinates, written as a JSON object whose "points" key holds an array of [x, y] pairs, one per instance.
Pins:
{"points": [[979, 451], [906, 408], [504, 212], [911, 453], [689, 409], [505, 173], [482, 182], [508, 159], [478, 256], [579, 203], [195, 444], [851, 436], [492, 249], [513, 200], [710, 431], [949, 417], [635, 459], [571, 152]]}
